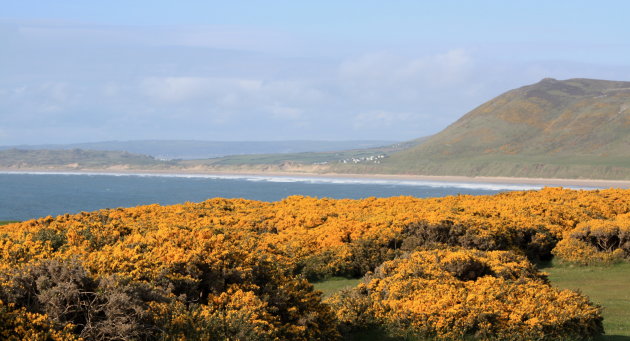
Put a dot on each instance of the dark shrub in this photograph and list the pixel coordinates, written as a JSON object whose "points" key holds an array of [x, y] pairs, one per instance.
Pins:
{"points": [[366, 255], [466, 268], [104, 309], [317, 267], [56, 238]]}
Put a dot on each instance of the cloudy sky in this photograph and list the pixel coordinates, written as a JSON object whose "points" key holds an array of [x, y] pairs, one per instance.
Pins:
{"points": [[81, 71]]}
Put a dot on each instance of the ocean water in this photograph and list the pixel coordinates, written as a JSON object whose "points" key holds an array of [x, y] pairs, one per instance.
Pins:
{"points": [[31, 195]]}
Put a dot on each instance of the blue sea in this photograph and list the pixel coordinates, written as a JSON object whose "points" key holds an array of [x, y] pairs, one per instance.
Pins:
{"points": [[31, 195]]}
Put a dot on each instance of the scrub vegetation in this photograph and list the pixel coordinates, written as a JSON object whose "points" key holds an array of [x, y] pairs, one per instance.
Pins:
{"points": [[459, 267]]}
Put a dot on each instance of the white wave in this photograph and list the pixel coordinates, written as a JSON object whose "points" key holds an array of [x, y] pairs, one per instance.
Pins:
{"points": [[318, 180]]}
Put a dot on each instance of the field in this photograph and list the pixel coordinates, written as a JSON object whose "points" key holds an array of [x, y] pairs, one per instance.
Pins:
{"points": [[607, 286]]}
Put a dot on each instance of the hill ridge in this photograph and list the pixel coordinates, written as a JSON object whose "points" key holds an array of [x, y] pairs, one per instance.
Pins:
{"points": [[547, 127]]}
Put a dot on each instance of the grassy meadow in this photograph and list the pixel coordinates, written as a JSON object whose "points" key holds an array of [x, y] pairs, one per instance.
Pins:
{"points": [[607, 286]]}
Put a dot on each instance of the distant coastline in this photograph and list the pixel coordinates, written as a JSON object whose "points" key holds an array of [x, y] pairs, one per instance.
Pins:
{"points": [[539, 182]]}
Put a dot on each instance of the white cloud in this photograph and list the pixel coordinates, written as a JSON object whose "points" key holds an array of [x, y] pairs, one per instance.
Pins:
{"points": [[380, 119], [452, 67], [56, 91], [303, 92], [206, 36], [242, 83], [173, 89], [282, 112], [111, 89], [182, 89], [48, 97], [226, 38], [282, 99], [385, 78]]}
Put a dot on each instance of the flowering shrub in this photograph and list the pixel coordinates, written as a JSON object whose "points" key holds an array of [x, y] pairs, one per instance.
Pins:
{"points": [[597, 241], [17, 324], [236, 269], [421, 296]]}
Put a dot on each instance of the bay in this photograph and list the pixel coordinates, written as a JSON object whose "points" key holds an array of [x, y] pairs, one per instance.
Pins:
{"points": [[31, 195]]}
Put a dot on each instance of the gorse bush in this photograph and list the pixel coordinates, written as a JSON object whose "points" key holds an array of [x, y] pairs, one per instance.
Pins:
{"points": [[17, 324], [55, 238], [463, 294], [115, 308], [238, 269], [597, 241], [98, 309]]}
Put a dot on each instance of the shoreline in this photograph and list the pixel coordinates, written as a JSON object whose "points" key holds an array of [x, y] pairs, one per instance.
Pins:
{"points": [[552, 182]]}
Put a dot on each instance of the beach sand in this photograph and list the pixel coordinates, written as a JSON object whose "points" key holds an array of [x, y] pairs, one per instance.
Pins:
{"points": [[591, 183]]}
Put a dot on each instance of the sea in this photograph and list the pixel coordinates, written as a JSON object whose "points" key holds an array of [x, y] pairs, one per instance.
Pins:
{"points": [[26, 195]]}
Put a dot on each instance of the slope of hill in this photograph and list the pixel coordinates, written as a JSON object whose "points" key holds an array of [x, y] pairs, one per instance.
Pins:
{"points": [[573, 128], [189, 149]]}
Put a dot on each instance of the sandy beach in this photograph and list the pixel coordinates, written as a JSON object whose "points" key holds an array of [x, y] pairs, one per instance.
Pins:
{"points": [[552, 182]]}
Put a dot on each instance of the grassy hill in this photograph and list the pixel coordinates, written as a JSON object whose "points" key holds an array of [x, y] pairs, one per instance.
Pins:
{"points": [[573, 128]]}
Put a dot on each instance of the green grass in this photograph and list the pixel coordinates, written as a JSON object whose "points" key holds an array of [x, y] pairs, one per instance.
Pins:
{"points": [[335, 284], [607, 286], [5, 222]]}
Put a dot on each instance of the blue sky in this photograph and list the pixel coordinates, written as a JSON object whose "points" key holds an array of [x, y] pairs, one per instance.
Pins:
{"points": [[77, 71]]}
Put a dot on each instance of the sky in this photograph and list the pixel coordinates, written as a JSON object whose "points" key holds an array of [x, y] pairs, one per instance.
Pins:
{"points": [[84, 71]]}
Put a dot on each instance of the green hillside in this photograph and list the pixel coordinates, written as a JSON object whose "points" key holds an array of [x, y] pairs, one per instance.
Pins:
{"points": [[573, 128]]}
